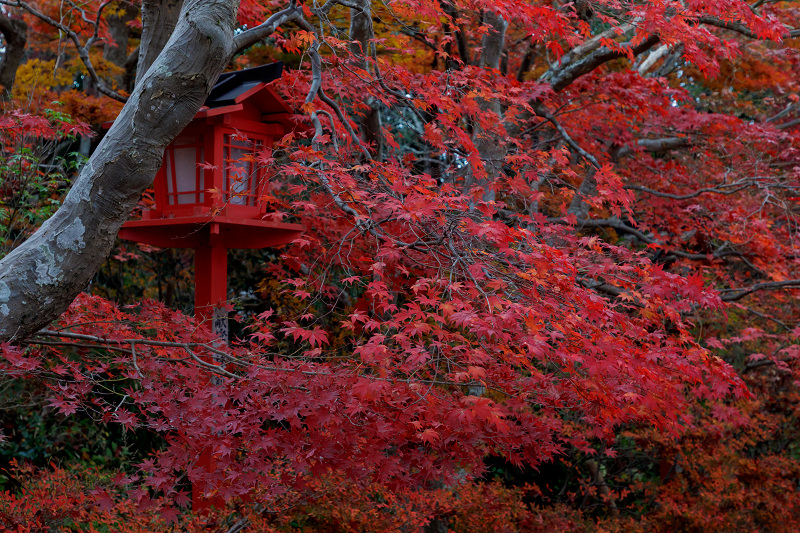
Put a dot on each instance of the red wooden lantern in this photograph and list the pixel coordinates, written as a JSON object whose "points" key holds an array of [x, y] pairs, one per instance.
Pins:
{"points": [[208, 193], [209, 188]]}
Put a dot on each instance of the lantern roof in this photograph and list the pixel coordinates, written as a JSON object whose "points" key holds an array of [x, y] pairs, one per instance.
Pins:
{"points": [[248, 94], [231, 86], [252, 85]]}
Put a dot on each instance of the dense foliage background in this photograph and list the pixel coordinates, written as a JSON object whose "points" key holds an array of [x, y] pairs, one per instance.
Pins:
{"points": [[548, 280]]}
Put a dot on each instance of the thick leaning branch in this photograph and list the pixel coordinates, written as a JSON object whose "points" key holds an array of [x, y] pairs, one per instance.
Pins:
{"points": [[563, 76], [40, 278], [581, 50]]}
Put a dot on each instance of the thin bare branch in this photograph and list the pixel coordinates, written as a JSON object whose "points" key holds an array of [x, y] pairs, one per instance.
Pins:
{"points": [[732, 295], [545, 113], [695, 194]]}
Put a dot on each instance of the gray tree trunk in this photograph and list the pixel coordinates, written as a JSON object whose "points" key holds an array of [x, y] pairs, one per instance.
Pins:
{"points": [[39, 279], [15, 32], [120, 31], [489, 147], [159, 18], [361, 33]]}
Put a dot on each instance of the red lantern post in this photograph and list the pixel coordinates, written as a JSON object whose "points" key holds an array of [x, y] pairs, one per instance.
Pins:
{"points": [[209, 188]]}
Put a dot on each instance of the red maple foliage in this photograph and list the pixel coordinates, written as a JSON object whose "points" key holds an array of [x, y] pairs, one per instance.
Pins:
{"points": [[576, 246]]}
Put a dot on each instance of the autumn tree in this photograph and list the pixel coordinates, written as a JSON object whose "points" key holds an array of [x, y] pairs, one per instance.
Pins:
{"points": [[529, 224]]}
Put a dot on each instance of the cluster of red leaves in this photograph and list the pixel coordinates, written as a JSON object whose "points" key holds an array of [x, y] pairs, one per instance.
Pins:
{"points": [[84, 500], [74, 499], [446, 317], [393, 412]]}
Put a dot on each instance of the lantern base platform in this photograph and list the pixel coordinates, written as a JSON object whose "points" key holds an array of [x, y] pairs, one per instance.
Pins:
{"points": [[209, 231]]}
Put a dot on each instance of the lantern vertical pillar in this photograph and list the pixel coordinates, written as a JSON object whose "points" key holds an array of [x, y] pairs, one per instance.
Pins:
{"points": [[210, 297], [211, 288]]}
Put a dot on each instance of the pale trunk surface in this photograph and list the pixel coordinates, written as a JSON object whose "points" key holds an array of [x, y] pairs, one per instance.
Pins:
{"points": [[39, 279], [159, 18]]}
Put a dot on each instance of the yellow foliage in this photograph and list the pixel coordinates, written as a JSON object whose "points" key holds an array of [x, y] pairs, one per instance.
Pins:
{"points": [[116, 9], [36, 77]]}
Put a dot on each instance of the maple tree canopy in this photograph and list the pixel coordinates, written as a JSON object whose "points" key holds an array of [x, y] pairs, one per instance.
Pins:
{"points": [[528, 225]]}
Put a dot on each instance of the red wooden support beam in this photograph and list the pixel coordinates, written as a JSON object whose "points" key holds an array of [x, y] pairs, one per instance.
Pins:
{"points": [[210, 308], [211, 281]]}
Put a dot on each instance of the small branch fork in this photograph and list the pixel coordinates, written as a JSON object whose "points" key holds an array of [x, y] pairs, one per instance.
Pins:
{"points": [[83, 49], [732, 295], [726, 295]]}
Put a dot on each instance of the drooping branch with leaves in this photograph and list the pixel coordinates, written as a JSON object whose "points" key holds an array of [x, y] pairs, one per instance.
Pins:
{"points": [[530, 227]]}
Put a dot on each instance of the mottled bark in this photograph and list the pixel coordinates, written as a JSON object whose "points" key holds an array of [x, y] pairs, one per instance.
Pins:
{"points": [[651, 145], [15, 34], [159, 18], [40, 278], [494, 40]]}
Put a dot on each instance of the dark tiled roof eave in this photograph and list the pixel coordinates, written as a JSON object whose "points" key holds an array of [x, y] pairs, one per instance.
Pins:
{"points": [[232, 84]]}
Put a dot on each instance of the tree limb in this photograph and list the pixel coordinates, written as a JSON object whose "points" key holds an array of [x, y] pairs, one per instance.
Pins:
{"points": [[732, 295], [787, 125], [250, 37], [561, 77], [652, 145], [579, 51]]}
